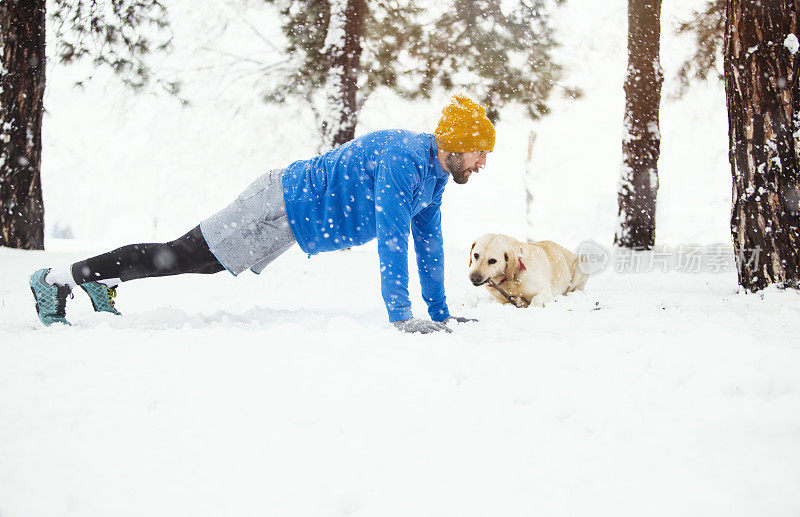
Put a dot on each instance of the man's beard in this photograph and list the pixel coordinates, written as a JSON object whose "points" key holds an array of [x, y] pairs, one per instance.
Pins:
{"points": [[455, 166]]}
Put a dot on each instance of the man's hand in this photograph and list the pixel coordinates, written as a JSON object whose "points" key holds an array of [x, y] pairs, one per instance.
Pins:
{"points": [[421, 326], [459, 319]]}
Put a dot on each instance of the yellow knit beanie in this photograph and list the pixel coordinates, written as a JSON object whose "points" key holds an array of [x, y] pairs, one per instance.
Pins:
{"points": [[464, 127]]}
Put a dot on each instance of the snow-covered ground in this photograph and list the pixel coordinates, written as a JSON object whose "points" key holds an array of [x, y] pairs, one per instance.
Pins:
{"points": [[652, 393], [661, 394]]}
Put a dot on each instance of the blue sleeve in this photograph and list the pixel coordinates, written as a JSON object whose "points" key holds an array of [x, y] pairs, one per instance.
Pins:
{"points": [[427, 230], [393, 192]]}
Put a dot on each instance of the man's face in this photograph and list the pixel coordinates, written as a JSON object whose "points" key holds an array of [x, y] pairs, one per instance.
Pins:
{"points": [[462, 165]]}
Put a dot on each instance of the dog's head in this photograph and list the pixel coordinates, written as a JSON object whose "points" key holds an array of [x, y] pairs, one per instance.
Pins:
{"points": [[492, 257]]}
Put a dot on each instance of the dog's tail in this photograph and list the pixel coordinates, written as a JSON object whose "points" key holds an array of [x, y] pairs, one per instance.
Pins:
{"points": [[581, 267], [590, 258]]}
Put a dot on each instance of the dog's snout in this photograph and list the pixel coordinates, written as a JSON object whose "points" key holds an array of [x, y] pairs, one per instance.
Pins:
{"points": [[475, 278]]}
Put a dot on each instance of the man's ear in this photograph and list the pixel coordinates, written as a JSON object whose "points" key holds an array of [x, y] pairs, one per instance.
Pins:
{"points": [[470, 252]]}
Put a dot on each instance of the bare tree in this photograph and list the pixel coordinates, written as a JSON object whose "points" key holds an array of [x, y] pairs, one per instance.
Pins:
{"points": [[761, 62], [641, 141]]}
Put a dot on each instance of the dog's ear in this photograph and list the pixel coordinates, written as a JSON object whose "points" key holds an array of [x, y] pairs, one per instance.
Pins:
{"points": [[512, 262], [470, 252]]}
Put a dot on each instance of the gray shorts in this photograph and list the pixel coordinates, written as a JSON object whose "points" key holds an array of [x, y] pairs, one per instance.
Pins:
{"points": [[252, 231]]}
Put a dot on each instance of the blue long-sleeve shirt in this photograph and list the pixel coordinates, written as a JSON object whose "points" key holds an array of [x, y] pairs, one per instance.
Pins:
{"points": [[385, 185]]}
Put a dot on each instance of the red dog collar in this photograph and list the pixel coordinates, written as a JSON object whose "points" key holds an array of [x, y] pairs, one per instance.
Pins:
{"points": [[521, 268]]}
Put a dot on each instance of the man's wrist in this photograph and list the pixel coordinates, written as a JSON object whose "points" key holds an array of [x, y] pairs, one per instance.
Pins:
{"points": [[401, 314], [439, 313]]}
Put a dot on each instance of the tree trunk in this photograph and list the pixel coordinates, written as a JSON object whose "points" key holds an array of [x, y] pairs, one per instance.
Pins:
{"points": [[344, 47], [22, 80], [763, 96], [641, 140]]}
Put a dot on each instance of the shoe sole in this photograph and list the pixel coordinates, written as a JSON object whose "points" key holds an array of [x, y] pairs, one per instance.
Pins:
{"points": [[36, 299]]}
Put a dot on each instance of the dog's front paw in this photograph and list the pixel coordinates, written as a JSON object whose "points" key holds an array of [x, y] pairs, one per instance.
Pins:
{"points": [[519, 302]]}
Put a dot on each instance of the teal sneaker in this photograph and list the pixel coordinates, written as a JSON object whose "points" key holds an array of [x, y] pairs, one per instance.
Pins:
{"points": [[51, 300], [102, 297]]}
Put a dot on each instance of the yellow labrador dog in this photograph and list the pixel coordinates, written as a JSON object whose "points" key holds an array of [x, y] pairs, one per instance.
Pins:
{"points": [[524, 273]]}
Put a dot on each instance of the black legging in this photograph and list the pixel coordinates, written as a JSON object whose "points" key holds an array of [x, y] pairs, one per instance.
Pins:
{"points": [[187, 254]]}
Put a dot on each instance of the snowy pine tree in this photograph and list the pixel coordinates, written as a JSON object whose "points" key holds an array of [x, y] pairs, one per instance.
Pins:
{"points": [[707, 26], [339, 113], [641, 140], [762, 66], [111, 34], [500, 55], [22, 80]]}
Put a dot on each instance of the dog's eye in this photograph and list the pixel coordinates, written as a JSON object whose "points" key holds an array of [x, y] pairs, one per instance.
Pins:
{"points": [[492, 261], [476, 255]]}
